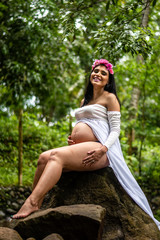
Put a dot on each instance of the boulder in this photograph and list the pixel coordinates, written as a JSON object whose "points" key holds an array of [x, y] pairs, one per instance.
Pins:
{"points": [[9, 234], [30, 238], [53, 236], [78, 222], [124, 218], [2, 214]]}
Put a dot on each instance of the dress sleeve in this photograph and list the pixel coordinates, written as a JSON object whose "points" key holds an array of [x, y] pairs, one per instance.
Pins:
{"points": [[114, 124]]}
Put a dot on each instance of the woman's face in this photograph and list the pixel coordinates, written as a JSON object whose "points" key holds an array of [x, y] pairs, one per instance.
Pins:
{"points": [[100, 76]]}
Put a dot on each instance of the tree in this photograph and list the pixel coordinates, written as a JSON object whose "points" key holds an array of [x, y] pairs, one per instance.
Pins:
{"points": [[146, 125], [136, 90], [26, 39], [111, 26], [33, 62]]}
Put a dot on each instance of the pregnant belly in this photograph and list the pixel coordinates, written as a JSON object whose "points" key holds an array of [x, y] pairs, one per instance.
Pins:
{"points": [[82, 133]]}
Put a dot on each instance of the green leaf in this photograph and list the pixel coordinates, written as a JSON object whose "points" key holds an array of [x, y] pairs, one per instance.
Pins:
{"points": [[154, 3], [107, 5]]}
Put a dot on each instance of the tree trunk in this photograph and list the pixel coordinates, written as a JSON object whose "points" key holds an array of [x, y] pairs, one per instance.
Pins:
{"points": [[145, 14], [136, 90], [133, 113], [20, 146]]}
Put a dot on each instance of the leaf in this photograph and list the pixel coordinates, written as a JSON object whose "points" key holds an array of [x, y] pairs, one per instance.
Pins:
{"points": [[154, 3], [114, 2], [107, 6]]}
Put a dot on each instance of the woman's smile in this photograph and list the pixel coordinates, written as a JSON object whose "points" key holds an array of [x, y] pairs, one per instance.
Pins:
{"points": [[100, 75], [96, 79]]}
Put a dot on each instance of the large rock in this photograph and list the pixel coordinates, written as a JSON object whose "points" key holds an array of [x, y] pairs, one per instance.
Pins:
{"points": [[9, 234], [77, 222], [124, 218], [53, 236]]}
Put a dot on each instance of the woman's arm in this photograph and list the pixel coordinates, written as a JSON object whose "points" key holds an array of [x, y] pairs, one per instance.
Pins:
{"points": [[114, 123], [114, 115]]}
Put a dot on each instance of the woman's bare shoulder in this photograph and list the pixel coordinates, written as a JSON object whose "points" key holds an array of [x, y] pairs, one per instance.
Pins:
{"points": [[112, 102], [109, 95]]}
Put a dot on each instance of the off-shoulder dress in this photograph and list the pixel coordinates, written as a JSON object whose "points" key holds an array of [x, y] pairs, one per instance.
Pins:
{"points": [[97, 117]]}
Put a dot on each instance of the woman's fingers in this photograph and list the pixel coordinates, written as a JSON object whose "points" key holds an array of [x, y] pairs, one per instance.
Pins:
{"points": [[90, 156], [70, 141], [93, 156], [90, 152], [89, 160]]}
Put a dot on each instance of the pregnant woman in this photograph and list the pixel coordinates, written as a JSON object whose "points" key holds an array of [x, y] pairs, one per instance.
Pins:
{"points": [[93, 144]]}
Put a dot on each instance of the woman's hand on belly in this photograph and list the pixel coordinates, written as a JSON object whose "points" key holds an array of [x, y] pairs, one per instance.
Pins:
{"points": [[70, 141], [94, 156]]}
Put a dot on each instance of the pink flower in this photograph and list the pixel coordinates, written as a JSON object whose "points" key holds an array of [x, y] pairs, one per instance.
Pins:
{"points": [[111, 71], [96, 61], [105, 63], [109, 65]]}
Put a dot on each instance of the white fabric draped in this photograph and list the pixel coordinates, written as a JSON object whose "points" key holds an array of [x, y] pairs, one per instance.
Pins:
{"points": [[101, 130], [114, 124]]}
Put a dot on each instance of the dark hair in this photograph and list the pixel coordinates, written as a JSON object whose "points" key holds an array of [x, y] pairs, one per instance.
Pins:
{"points": [[110, 87]]}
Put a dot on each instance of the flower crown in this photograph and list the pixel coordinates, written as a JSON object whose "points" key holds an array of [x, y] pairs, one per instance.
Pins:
{"points": [[105, 63]]}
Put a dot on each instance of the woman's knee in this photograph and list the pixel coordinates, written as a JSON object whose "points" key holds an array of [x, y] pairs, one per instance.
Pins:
{"points": [[56, 155], [43, 158]]}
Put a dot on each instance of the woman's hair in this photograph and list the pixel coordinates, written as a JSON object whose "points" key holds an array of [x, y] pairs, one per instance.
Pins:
{"points": [[110, 87]]}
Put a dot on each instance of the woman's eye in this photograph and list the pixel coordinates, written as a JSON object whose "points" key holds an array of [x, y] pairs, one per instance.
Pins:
{"points": [[96, 70], [104, 73]]}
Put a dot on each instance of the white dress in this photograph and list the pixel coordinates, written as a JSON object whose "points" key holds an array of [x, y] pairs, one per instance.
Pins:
{"points": [[95, 116]]}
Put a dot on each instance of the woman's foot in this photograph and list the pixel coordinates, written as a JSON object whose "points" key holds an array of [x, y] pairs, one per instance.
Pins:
{"points": [[27, 208]]}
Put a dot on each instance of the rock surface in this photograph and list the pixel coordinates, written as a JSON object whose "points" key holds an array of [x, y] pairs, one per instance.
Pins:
{"points": [[124, 219], [11, 199], [9, 234], [31, 238], [78, 222], [53, 236], [2, 214]]}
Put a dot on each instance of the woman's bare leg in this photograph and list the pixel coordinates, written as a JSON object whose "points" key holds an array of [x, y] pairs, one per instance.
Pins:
{"points": [[42, 162], [70, 158]]}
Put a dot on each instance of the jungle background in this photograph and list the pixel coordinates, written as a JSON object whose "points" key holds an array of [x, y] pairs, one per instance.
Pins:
{"points": [[46, 51]]}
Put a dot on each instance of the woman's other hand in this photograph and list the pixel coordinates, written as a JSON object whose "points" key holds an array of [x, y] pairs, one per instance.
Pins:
{"points": [[94, 155], [70, 141]]}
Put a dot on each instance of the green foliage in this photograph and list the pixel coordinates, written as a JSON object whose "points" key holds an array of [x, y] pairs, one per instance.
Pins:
{"points": [[32, 56], [37, 136], [8, 139], [113, 27], [151, 168]]}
